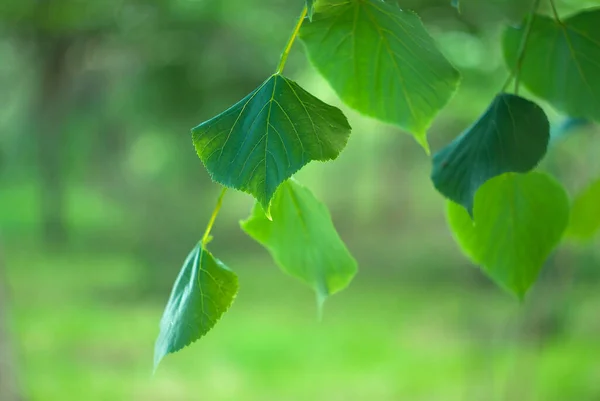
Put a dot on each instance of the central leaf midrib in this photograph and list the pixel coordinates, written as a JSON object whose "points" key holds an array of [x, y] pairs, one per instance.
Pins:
{"points": [[565, 31], [392, 58], [312, 122], [299, 211], [267, 137]]}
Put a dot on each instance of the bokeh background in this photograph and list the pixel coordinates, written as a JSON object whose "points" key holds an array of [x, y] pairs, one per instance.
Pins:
{"points": [[102, 196]]}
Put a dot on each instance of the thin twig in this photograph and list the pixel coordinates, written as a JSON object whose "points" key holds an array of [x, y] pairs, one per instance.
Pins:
{"points": [[522, 48], [213, 217], [290, 42], [555, 12]]}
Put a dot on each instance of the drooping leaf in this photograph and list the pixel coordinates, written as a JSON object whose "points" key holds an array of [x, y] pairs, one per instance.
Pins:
{"points": [[302, 239], [203, 291], [518, 220], [562, 61], [585, 213], [310, 4], [269, 135], [381, 61], [511, 136]]}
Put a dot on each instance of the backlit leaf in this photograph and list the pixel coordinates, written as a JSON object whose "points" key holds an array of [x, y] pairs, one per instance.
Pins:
{"points": [[203, 291], [518, 220], [511, 136], [585, 213], [562, 62], [269, 135], [302, 239], [381, 61]]}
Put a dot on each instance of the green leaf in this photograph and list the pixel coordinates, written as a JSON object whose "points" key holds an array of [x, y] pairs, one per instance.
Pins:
{"points": [[511, 136], [456, 4], [310, 6], [562, 62], [381, 61], [203, 291], [302, 240], [518, 220], [269, 135], [585, 213]]}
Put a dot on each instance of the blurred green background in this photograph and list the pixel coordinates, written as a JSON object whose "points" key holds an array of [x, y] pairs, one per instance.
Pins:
{"points": [[102, 196]]}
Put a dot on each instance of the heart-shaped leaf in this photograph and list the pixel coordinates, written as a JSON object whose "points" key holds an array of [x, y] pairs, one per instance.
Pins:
{"points": [[381, 61], [203, 291], [269, 135], [511, 136], [518, 220], [562, 61], [585, 213], [302, 239]]}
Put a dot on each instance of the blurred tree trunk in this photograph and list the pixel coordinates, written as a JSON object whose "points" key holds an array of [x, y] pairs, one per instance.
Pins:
{"points": [[50, 117], [8, 377]]}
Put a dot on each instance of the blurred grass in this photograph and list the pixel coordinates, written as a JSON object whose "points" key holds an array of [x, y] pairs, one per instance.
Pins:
{"points": [[417, 324], [86, 332]]}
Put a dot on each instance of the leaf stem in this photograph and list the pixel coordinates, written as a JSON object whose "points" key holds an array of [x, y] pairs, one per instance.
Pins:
{"points": [[523, 48], [213, 217], [290, 42], [555, 12]]}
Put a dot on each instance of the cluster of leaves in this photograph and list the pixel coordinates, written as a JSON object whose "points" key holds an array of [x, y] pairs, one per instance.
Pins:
{"points": [[381, 62]]}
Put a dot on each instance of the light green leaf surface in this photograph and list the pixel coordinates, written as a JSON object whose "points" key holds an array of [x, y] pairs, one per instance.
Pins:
{"points": [[518, 220], [511, 136], [585, 213], [381, 61], [203, 291], [302, 240], [269, 135], [562, 62]]}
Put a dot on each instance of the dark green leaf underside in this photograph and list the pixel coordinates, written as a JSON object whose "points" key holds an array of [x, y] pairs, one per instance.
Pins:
{"points": [[585, 213], [562, 62], [518, 220], [381, 61], [269, 135], [511, 136], [203, 291], [302, 239]]}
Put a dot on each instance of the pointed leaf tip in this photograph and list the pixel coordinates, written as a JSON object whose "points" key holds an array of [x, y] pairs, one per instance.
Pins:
{"points": [[511, 136], [422, 140], [204, 289], [310, 5], [269, 135], [381, 61]]}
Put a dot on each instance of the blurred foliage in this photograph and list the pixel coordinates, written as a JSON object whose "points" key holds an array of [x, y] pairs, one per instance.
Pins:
{"points": [[101, 193]]}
